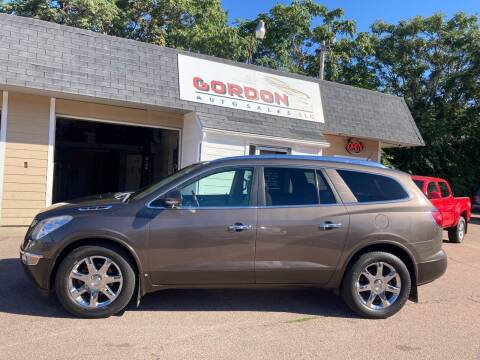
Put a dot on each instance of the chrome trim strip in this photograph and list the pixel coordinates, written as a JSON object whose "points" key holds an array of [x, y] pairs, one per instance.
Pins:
{"points": [[95, 208]]}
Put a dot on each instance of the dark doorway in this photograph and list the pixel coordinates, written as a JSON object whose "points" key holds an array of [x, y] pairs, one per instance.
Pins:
{"points": [[96, 157]]}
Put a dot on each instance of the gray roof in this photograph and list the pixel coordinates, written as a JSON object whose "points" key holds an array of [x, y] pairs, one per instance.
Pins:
{"points": [[72, 63], [364, 113], [280, 127]]}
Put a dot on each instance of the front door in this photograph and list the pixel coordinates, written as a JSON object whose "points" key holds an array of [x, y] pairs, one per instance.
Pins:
{"points": [[210, 238], [301, 229]]}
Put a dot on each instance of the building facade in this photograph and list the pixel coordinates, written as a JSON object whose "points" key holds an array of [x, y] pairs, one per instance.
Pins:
{"points": [[85, 113]]}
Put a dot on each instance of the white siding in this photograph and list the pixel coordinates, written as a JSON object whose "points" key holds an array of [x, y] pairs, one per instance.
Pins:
{"points": [[191, 140], [216, 146], [306, 150]]}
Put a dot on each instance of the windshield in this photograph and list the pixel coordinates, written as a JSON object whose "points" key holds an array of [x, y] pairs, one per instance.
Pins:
{"points": [[150, 189]]}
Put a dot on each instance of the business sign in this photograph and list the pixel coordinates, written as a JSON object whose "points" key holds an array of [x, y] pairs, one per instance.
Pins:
{"points": [[214, 83], [354, 146]]}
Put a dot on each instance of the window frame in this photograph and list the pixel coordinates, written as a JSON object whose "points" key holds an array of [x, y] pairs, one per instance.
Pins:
{"points": [[409, 196], [261, 190], [190, 180]]}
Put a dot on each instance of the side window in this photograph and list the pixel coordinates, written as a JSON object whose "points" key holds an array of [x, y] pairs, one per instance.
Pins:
{"points": [[290, 186], [432, 187], [444, 190], [224, 188], [324, 190], [369, 187]]}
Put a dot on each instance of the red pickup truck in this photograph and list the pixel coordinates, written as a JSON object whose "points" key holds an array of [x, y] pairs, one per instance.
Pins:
{"points": [[456, 211]]}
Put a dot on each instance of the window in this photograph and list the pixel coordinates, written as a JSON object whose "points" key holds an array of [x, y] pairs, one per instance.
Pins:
{"points": [[224, 189], [324, 190], [288, 186], [432, 187], [267, 150], [419, 184], [444, 190], [371, 187]]}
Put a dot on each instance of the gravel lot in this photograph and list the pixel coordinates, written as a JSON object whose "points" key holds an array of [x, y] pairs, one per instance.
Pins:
{"points": [[237, 324]]}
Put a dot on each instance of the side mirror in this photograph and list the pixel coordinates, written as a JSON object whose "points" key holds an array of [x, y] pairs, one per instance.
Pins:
{"points": [[173, 198], [434, 195]]}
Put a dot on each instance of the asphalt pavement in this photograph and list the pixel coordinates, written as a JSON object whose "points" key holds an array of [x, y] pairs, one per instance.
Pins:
{"points": [[248, 324]]}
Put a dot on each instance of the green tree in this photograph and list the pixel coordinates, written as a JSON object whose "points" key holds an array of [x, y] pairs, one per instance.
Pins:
{"points": [[434, 63], [95, 15], [292, 41], [199, 26]]}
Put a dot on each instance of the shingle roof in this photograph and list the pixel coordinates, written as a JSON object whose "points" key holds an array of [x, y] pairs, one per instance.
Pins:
{"points": [[280, 127], [364, 113], [73, 63]]}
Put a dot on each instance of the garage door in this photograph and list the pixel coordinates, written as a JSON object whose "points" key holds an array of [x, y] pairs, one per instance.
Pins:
{"points": [[97, 157]]}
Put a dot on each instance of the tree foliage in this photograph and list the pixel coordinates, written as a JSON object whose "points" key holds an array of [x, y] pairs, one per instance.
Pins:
{"points": [[433, 62]]}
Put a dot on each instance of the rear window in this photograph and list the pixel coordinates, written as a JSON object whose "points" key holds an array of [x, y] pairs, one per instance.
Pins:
{"points": [[372, 187], [419, 183]]}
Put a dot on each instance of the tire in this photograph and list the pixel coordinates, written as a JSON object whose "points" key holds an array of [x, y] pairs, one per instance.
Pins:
{"points": [[77, 282], [358, 301], [457, 233]]}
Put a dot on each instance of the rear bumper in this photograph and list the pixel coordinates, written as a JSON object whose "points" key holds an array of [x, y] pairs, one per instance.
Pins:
{"points": [[432, 268]]}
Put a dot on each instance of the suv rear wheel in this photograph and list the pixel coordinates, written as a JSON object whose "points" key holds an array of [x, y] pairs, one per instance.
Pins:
{"points": [[94, 282], [376, 285]]}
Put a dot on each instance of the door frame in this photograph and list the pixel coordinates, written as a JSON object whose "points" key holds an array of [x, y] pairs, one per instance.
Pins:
{"points": [[54, 117]]}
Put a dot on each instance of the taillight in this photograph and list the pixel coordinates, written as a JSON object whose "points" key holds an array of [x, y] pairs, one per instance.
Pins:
{"points": [[437, 216]]}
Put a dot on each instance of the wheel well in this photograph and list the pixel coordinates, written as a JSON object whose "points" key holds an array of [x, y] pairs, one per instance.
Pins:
{"points": [[112, 244], [397, 251]]}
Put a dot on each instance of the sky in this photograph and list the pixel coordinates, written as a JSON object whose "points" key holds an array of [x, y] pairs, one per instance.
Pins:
{"points": [[364, 12]]}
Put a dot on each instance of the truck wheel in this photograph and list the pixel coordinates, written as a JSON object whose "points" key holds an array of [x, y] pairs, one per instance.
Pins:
{"points": [[94, 282], [457, 234], [377, 285]]}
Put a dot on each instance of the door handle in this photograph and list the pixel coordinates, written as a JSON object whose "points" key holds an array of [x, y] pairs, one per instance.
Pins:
{"points": [[328, 225], [239, 227]]}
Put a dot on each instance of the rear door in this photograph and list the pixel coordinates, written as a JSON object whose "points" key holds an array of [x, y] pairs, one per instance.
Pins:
{"points": [[302, 227]]}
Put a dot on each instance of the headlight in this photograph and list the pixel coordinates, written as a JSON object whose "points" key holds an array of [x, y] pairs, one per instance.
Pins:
{"points": [[46, 226]]}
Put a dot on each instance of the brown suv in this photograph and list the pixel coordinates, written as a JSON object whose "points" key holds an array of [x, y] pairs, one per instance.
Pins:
{"points": [[340, 224]]}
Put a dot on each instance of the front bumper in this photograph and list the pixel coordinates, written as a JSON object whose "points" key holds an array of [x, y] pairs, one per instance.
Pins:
{"points": [[431, 269], [37, 268]]}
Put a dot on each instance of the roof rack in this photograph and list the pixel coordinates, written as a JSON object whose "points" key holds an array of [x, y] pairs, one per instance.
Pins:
{"points": [[335, 159]]}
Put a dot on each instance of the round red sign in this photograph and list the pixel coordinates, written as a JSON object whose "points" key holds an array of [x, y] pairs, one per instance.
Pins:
{"points": [[354, 146]]}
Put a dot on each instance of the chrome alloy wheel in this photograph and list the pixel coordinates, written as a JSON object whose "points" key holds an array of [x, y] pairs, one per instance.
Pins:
{"points": [[95, 282], [461, 228], [378, 286]]}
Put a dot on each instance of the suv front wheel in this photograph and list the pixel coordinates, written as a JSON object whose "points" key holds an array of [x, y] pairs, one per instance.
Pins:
{"points": [[94, 282], [376, 285]]}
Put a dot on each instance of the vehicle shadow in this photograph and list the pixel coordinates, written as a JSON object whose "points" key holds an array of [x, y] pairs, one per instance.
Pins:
{"points": [[475, 220], [311, 302], [19, 296]]}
